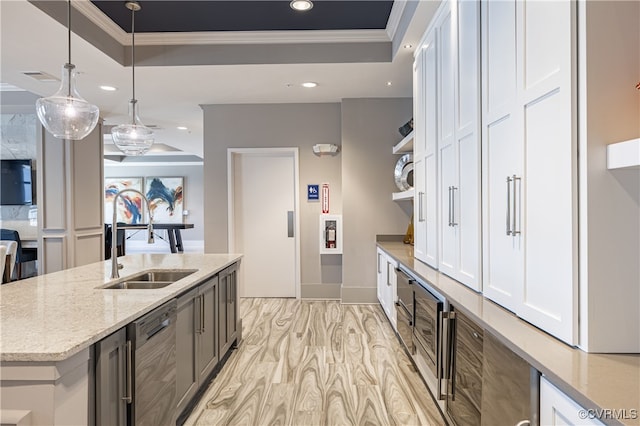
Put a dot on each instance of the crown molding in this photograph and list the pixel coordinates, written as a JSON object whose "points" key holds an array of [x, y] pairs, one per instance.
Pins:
{"points": [[394, 17], [101, 20]]}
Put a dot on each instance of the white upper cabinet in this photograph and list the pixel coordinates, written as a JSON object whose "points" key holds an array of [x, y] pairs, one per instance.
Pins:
{"points": [[529, 161], [425, 152], [459, 142]]}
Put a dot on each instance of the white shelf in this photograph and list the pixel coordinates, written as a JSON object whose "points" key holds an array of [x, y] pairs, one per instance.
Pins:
{"points": [[624, 154], [404, 195], [405, 145]]}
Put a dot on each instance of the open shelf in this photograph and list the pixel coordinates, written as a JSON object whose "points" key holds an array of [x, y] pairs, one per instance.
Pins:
{"points": [[405, 145], [624, 154], [404, 195]]}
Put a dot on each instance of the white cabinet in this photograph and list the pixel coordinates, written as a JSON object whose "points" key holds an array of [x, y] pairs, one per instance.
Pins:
{"points": [[386, 285], [459, 142], [556, 408], [529, 161], [425, 153]]}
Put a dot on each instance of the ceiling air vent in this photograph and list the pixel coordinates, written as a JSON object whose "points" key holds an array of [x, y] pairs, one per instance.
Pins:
{"points": [[40, 76]]}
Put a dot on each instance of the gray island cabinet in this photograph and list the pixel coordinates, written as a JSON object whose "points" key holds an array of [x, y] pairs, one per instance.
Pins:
{"points": [[65, 342]]}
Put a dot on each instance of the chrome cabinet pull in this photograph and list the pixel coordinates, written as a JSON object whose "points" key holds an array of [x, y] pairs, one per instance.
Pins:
{"points": [[420, 207], [440, 354], [515, 231], [453, 206], [508, 205], [449, 206], [128, 371]]}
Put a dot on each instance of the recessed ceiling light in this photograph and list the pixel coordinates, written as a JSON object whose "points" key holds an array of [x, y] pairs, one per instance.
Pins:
{"points": [[181, 128], [309, 84], [301, 5], [109, 88], [407, 46], [389, 83]]}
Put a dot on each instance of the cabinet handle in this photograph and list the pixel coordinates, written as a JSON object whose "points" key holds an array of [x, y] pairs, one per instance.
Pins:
{"points": [[379, 264], [524, 423], [453, 206], [202, 322], [452, 355], [440, 354], [515, 202], [449, 205], [128, 371], [508, 205], [420, 207]]}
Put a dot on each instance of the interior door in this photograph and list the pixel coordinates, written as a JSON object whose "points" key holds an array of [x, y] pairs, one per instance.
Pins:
{"points": [[264, 221]]}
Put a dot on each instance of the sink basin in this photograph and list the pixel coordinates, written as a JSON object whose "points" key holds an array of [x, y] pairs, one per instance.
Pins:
{"points": [[149, 280]]}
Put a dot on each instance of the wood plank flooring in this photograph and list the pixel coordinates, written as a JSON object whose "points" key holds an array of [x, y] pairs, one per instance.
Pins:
{"points": [[306, 363]]}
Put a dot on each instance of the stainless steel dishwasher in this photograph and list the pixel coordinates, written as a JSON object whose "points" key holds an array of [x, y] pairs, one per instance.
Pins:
{"points": [[151, 367]]}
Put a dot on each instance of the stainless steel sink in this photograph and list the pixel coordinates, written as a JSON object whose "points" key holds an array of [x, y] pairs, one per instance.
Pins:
{"points": [[150, 280]]}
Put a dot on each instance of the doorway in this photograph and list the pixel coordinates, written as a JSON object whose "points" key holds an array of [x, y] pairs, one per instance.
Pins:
{"points": [[264, 221]]}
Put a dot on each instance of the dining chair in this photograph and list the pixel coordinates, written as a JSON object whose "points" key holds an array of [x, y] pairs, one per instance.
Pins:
{"points": [[12, 249], [22, 254]]}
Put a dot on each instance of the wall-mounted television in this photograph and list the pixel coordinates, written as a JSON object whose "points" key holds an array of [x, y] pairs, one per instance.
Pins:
{"points": [[16, 183]]}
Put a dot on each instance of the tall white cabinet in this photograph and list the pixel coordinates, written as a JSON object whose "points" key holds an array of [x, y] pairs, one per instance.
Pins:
{"points": [[459, 142], [425, 152], [529, 161]]}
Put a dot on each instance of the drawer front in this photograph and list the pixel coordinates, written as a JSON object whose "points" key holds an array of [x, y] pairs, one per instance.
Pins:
{"points": [[405, 328]]}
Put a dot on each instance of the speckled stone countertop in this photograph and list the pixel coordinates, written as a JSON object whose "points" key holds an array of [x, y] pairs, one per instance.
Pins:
{"points": [[595, 381], [54, 316]]}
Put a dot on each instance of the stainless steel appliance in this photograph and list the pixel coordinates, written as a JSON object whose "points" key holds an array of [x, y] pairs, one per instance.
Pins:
{"points": [[151, 367], [427, 329], [404, 309]]}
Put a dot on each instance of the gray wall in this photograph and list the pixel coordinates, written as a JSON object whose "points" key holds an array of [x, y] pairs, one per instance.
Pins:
{"points": [[360, 178], [193, 193], [277, 125], [369, 131]]}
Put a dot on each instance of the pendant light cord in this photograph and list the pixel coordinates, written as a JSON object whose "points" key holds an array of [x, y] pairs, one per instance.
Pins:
{"points": [[133, 52], [69, 28]]}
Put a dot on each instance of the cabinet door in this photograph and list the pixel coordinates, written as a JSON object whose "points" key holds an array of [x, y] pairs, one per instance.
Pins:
{"points": [[232, 306], [390, 291], [502, 155], [546, 31], [207, 347], [110, 379], [464, 394], [556, 408], [381, 265], [430, 202], [419, 142], [446, 143], [419, 210], [466, 192], [187, 325], [223, 338]]}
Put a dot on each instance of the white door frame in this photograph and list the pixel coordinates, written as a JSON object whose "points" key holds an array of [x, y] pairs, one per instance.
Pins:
{"points": [[231, 153]]}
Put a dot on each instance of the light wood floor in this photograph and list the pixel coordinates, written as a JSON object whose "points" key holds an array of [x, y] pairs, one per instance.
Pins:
{"points": [[316, 363]]}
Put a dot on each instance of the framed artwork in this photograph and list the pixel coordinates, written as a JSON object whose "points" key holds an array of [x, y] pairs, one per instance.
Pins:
{"points": [[130, 205], [166, 198]]}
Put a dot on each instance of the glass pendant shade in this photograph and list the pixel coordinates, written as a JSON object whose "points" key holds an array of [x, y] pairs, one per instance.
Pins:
{"points": [[65, 114], [133, 138]]}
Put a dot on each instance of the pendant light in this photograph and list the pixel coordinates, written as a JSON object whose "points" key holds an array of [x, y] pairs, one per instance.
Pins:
{"points": [[65, 114], [133, 137]]}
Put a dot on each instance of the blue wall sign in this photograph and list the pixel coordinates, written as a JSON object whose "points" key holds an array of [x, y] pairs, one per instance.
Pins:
{"points": [[313, 192]]}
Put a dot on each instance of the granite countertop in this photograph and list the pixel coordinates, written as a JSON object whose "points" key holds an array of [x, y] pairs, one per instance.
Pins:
{"points": [[595, 381], [54, 316]]}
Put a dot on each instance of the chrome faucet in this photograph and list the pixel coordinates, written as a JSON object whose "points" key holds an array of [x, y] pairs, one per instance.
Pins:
{"points": [[114, 230]]}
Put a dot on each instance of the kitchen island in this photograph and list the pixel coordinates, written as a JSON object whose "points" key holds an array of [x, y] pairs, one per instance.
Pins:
{"points": [[50, 323]]}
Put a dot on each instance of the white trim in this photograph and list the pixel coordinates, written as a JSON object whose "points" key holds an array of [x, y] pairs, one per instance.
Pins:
{"points": [[95, 15], [394, 18], [230, 200]]}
